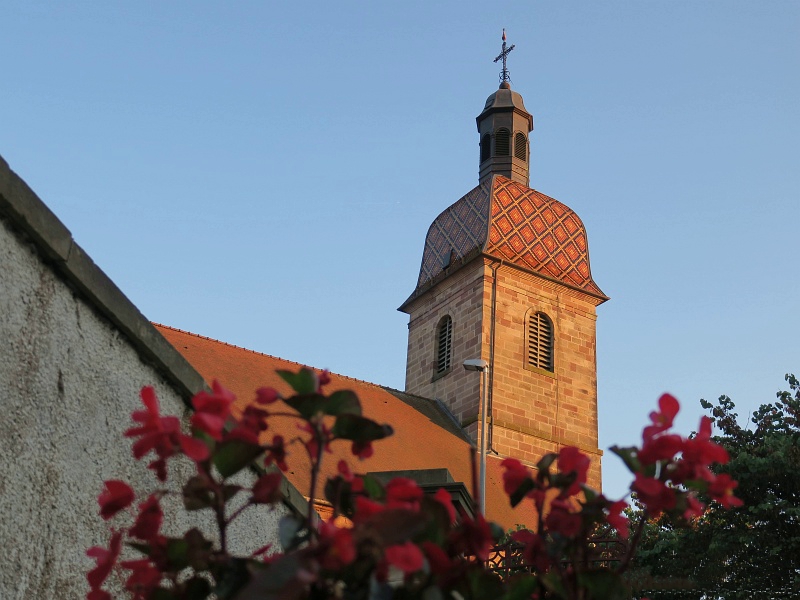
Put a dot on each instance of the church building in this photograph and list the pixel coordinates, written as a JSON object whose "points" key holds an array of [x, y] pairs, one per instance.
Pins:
{"points": [[505, 278], [504, 286]]}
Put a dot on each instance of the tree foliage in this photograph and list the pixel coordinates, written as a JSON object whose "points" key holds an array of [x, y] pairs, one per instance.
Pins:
{"points": [[752, 550]]}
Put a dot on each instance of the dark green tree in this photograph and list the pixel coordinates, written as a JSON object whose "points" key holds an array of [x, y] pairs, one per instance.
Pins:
{"points": [[752, 551]]}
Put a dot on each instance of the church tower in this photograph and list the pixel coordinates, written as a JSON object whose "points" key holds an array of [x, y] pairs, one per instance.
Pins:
{"points": [[505, 278]]}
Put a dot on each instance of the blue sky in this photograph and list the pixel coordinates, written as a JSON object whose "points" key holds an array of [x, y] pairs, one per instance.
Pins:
{"points": [[264, 173]]}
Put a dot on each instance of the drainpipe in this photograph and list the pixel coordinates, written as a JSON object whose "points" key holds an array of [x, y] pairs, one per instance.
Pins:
{"points": [[494, 267]]}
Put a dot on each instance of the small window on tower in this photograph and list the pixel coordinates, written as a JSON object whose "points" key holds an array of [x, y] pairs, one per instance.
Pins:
{"points": [[502, 142], [520, 151], [444, 344], [486, 149], [540, 341]]}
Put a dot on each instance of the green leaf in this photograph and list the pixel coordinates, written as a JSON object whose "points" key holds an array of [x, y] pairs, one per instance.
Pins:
{"points": [[359, 429], [629, 457], [302, 382], [545, 462], [234, 455], [518, 494], [233, 579], [197, 494], [308, 405], [397, 525], [197, 588], [522, 588], [177, 553], [373, 487], [603, 585], [199, 549], [343, 402]]}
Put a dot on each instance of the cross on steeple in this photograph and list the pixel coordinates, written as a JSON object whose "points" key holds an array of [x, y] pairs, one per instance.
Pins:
{"points": [[504, 75]]}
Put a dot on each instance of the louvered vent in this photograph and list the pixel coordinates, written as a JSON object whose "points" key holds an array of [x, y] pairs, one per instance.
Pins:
{"points": [[444, 345], [502, 142], [519, 146], [540, 341], [486, 143]]}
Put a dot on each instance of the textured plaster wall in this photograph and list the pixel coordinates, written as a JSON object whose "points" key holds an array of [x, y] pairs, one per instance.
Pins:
{"points": [[69, 382]]}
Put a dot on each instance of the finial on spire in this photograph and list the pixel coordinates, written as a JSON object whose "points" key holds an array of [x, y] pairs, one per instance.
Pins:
{"points": [[505, 77]]}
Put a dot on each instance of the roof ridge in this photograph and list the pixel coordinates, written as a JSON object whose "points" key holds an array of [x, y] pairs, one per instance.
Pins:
{"points": [[294, 362]]}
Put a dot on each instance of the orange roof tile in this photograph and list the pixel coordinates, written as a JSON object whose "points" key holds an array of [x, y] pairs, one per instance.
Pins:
{"points": [[424, 437]]}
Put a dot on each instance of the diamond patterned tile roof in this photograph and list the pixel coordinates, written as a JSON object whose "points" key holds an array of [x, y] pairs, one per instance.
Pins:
{"points": [[507, 220]]}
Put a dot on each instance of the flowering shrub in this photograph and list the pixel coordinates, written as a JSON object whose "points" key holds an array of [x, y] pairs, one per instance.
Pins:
{"points": [[395, 541]]}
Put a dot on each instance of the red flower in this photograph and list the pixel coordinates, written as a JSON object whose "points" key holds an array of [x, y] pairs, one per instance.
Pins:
{"points": [[438, 560], [562, 520], [323, 378], [267, 395], [98, 595], [514, 475], [662, 420], [442, 496], [617, 519], [473, 537], [105, 560], [694, 508], [148, 523], [534, 551], [267, 490], [402, 492], [250, 425], [212, 410], [407, 557], [312, 443], [365, 508], [572, 460], [362, 449], [654, 494], [344, 471], [116, 496], [162, 435], [144, 578], [276, 453], [338, 547], [663, 447], [721, 490]]}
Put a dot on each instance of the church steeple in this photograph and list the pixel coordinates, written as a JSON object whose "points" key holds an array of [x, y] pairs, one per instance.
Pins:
{"points": [[504, 126]]}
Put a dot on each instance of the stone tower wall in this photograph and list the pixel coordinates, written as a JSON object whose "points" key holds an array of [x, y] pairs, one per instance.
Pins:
{"points": [[461, 297], [534, 411]]}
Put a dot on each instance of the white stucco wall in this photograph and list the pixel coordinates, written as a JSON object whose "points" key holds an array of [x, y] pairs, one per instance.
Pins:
{"points": [[68, 383]]}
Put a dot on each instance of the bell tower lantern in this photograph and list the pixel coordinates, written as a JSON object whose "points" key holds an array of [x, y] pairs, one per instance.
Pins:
{"points": [[503, 126]]}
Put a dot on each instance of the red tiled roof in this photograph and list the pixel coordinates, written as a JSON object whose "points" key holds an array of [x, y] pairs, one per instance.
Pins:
{"points": [[420, 440], [507, 220]]}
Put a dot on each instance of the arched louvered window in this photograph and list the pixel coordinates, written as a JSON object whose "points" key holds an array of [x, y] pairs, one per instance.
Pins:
{"points": [[540, 341], [502, 142], [520, 151], [444, 344], [486, 147]]}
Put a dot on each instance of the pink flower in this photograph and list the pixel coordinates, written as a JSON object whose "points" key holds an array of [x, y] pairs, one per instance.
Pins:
{"points": [[572, 460], [402, 492], [148, 523], [212, 410], [617, 519], [106, 559], [267, 490], [562, 520], [407, 557], [668, 407], [514, 475], [654, 494], [267, 395], [721, 490], [144, 578], [116, 496]]}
